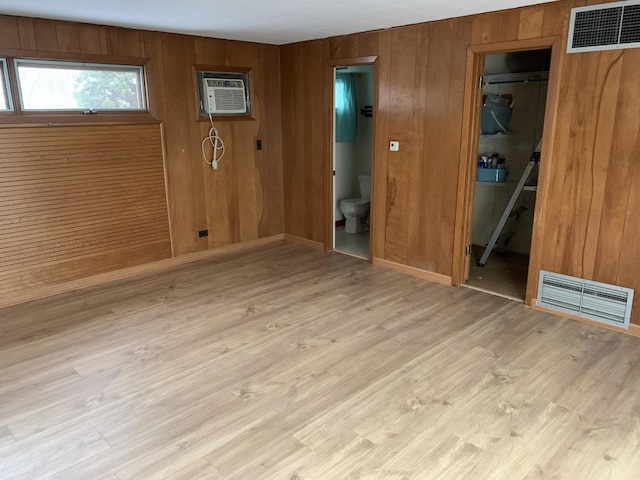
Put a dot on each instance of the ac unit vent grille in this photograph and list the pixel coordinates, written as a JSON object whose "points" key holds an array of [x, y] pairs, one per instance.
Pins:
{"points": [[597, 301], [605, 27], [630, 32], [230, 100]]}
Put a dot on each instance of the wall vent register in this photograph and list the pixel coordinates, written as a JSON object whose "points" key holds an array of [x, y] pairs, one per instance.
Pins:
{"points": [[601, 302], [605, 27]]}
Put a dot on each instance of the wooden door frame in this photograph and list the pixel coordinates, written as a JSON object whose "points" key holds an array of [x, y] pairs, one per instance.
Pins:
{"points": [[328, 221], [469, 152]]}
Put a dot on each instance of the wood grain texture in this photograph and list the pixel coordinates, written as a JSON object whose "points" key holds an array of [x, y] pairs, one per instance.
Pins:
{"points": [[588, 226], [287, 362], [303, 120], [79, 202], [241, 201]]}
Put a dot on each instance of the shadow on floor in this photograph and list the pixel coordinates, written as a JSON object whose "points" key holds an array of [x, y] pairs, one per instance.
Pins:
{"points": [[504, 273], [356, 244]]}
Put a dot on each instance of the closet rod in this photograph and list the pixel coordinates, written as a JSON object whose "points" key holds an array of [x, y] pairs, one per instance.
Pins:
{"points": [[515, 81]]}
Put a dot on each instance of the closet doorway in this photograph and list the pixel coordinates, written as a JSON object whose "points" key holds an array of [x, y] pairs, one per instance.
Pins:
{"points": [[502, 170]]}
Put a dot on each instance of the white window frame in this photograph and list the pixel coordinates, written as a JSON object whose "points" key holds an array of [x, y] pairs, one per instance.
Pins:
{"points": [[7, 86], [139, 69]]}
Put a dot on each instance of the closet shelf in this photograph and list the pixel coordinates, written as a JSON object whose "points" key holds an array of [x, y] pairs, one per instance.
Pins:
{"points": [[492, 184], [527, 77], [495, 135]]}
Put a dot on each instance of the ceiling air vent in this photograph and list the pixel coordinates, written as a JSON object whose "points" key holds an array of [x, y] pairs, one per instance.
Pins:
{"points": [[597, 301], [605, 27]]}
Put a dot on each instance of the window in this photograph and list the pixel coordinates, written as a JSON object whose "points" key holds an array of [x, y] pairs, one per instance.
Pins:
{"points": [[345, 105], [46, 85], [5, 96]]}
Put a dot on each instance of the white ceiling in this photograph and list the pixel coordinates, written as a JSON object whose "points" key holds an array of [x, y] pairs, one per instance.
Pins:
{"points": [[265, 21]]}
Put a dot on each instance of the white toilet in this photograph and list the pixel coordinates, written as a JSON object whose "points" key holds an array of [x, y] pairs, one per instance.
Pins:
{"points": [[356, 210]]}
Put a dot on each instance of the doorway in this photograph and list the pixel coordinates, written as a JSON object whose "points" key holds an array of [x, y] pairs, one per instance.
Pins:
{"points": [[352, 155], [514, 93], [503, 166]]}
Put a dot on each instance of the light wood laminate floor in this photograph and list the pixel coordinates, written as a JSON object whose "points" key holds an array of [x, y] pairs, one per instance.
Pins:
{"points": [[285, 362]]}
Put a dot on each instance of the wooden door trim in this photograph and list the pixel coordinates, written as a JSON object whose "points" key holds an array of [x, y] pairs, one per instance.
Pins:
{"points": [[469, 151], [329, 65]]}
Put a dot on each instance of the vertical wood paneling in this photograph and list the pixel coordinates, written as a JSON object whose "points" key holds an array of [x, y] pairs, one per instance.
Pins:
{"points": [[531, 22], [400, 127], [303, 144], [461, 36], [269, 159], [90, 39], [67, 37], [27, 34], [623, 160], [187, 108], [243, 179], [368, 44], [314, 146], [9, 36], [509, 25], [179, 152], [380, 178], [628, 256], [416, 188], [578, 180], [434, 159], [130, 43], [589, 220], [485, 28], [601, 152], [555, 19], [46, 35]]}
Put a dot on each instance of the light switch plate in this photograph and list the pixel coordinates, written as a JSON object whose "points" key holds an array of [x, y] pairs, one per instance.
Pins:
{"points": [[394, 146]]}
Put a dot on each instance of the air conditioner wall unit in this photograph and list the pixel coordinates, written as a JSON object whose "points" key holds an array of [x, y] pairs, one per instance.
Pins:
{"points": [[224, 96]]}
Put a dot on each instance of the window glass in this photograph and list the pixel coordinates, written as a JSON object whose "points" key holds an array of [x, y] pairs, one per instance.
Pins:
{"points": [[52, 85], [5, 98]]}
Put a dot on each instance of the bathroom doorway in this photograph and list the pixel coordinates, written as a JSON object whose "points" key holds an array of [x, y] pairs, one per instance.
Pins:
{"points": [[353, 114]]}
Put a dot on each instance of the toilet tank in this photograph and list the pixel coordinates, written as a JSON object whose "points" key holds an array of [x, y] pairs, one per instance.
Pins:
{"points": [[364, 181]]}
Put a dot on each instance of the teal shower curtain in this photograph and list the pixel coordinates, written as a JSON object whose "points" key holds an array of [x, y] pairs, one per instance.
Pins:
{"points": [[345, 108]]}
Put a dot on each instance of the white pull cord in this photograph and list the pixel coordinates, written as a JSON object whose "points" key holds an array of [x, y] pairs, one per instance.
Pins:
{"points": [[216, 144]]}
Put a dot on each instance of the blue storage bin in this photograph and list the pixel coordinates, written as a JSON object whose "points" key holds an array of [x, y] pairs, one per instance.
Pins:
{"points": [[494, 175], [494, 119]]}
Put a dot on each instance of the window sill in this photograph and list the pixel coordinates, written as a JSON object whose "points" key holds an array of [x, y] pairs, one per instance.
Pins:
{"points": [[227, 118], [39, 119]]}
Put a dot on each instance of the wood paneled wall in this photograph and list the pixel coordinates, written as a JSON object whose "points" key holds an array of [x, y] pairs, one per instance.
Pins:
{"points": [[589, 225], [242, 200], [74, 203]]}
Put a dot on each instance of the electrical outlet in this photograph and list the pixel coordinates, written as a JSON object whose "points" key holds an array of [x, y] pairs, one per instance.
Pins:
{"points": [[394, 146], [203, 233], [258, 144]]}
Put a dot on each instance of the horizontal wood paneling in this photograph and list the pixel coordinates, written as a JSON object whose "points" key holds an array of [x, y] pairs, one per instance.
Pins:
{"points": [[588, 225], [78, 202], [239, 202]]}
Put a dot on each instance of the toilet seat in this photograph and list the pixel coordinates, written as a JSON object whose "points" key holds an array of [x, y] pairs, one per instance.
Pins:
{"points": [[354, 201]]}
